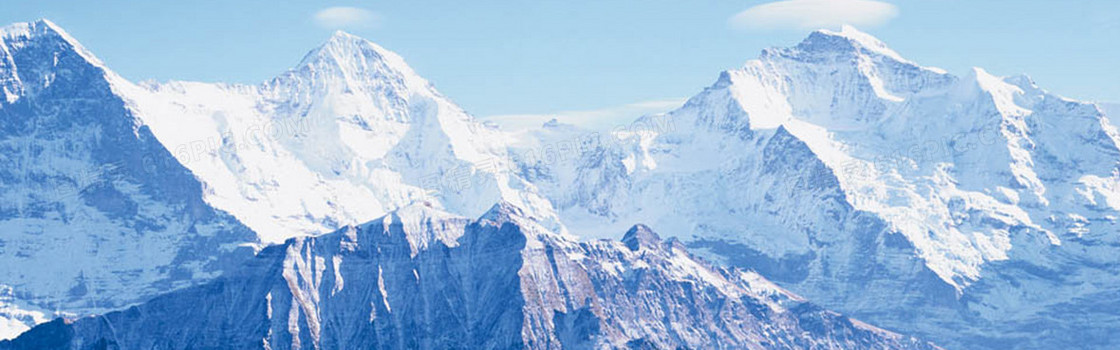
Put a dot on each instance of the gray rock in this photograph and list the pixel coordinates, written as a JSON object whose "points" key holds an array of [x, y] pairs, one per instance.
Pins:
{"points": [[421, 278]]}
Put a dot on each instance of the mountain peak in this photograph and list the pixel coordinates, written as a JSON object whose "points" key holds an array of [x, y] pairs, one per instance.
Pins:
{"points": [[641, 236], [503, 212], [35, 54], [345, 42], [31, 29], [343, 48], [354, 62], [47, 25], [848, 39], [342, 34], [43, 29], [858, 36]]}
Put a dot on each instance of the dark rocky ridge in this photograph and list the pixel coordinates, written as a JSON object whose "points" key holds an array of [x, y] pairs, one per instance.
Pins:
{"points": [[420, 278]]}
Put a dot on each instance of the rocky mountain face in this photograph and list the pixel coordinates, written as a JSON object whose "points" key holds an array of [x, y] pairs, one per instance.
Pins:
{"points": [[348, 134], [145, 187], [95, 212], [976, 210], [423, 278]]}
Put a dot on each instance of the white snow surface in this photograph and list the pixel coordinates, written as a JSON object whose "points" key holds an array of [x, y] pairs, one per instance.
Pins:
{"points": [[915, 145], [798, 154], [347, 135], [831, 153], [85, 226], [344, 137]]}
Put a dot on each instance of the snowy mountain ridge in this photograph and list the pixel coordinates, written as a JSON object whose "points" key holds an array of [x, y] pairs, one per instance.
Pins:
{"points": [[966, 209], [352, 122], [14, 35], [95, 212], [500, 281], [873, 185]]}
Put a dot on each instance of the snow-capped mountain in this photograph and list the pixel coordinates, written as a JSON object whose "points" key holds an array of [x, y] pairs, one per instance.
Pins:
{"points": [[94, 211], [133, 182], [423, 278], [348, 134], [977, 210]]}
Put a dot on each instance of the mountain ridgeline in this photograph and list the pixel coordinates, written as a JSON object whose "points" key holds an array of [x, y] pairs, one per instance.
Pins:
{"points": [[331, 206], [422, 278]]}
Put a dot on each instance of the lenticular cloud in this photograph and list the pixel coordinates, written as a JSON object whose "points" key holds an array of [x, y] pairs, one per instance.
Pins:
{"points": [[814, 14]]}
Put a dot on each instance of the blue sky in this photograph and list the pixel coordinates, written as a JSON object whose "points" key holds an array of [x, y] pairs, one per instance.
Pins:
{"points": [[586, 57]]}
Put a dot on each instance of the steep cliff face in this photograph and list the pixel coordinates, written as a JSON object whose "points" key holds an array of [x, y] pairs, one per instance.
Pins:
{"points": [[94, 210], [422, 278]]}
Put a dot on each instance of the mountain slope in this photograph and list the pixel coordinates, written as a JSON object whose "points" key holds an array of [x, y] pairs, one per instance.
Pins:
{"points": [[927, 202], [975, 210], [1111, 111], [95, 212], [348, 134], [422, 278], [125, 178]]}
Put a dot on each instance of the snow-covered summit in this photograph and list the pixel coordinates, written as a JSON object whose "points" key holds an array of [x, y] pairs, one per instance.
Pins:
{"points": [[640, 236], [23, 73], [853, 175], [43, 29], [356, 64], [345, 136], [848, 39], [94, 210], [967, 208]]}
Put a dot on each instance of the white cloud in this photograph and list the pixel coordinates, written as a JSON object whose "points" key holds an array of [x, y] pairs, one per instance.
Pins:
{"points": [[595, 119], [814, 14], [345, 17]]}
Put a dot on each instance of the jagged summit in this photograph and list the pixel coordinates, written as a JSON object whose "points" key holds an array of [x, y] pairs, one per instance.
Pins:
{"points": [[857, 177], [88, 188], [503, 211], [855, 38], [847, 44], [344, 35], [23, 47], [342, 138], [39, 28], [45, 29], [641, 236], [342, 46], [356, 63], [490, 287]]}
